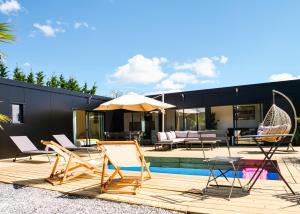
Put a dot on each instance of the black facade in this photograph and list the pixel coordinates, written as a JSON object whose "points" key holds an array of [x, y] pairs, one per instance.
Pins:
{"points": [[237, 95], [47, 111]]}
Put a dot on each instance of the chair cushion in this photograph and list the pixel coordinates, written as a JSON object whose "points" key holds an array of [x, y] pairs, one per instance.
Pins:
{"points": [[161, 136], [193, 134], [170, 136], [279, 129], [181, 134]]}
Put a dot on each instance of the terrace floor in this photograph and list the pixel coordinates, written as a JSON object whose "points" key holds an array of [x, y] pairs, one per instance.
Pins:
{"points": [[177, 192]]}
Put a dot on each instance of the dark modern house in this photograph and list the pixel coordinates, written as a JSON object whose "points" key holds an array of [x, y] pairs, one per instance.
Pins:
{"points": [[39, 111], [230, 108]]}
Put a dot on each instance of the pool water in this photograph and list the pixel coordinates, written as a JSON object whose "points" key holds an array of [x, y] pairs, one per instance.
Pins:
{"points": [[269, 175]]}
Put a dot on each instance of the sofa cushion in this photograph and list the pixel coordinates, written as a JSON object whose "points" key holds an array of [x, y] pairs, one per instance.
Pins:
{"points": [[170, 136], [209, 135], [193, 134], [161, 136], [181, 134], [191, 139], [178, 140], [173, 134]]}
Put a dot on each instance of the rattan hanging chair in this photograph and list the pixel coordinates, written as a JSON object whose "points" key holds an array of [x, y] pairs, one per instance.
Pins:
{"points": [[276, 121]]}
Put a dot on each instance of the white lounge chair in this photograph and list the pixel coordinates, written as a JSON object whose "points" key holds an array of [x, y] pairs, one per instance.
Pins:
{"points": [[74, 167], [123, 154], [26, 147]]}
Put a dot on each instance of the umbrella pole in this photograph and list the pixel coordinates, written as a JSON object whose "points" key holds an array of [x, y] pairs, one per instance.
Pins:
{"points": [[163, 113]]}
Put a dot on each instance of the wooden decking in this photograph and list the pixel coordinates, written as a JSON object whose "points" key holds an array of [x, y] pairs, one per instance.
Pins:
{"points": [[177, 192]]}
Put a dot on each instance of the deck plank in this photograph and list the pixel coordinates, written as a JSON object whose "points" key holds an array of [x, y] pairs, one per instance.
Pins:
{"points": [[175, 192]]}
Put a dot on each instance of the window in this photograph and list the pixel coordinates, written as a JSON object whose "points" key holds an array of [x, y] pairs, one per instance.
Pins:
{"points": [[17, 113], [194, 119], [170, 120], [134, 121], [190, 119], [246, 112]]}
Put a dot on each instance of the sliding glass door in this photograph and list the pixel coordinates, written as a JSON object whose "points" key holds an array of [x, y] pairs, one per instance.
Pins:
{"points": [[88, 127]]}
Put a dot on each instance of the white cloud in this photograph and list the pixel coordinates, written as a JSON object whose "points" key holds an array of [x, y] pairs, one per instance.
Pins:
{"points": [[48, 30], [141, 70], [176, 82], [203, 66], [169, 85], [78, 25], [223, 59], [27, 64], [182, 77], [282, 77], [9, 7]]}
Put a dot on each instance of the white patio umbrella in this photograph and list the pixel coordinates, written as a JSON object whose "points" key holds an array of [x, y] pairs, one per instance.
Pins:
{"points": [[134, 102]]}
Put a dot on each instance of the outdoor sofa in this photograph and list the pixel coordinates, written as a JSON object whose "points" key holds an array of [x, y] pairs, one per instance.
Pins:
{"points": [[187, 138]]}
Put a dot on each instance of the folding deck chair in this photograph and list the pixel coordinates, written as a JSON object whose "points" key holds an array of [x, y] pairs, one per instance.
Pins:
{"points": [[71, 169], [26, 147], [123, 154], [215, 163], [65, 142]]}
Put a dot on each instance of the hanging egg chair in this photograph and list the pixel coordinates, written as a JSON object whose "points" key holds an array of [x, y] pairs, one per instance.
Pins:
{"points": [[277, 121]]}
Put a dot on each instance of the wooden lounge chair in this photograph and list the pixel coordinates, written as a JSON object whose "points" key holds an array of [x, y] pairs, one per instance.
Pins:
{"points": [[65, 142], [75, 166], [122, 154], [26, 147]]}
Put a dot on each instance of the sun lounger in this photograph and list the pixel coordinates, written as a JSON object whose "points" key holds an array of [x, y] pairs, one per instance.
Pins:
{"points": [[75, 166], [65, 142], [26, 147], [123, 154]]}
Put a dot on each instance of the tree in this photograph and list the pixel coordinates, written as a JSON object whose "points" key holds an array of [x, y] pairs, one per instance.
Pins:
{"points": [[94, 89], [19, 75], [116, 93], [30, 78], [40, 78], [3, 119], [53, 81], [73, 84], [5, 33], [62, 82], [3, 70], [84, 89]]}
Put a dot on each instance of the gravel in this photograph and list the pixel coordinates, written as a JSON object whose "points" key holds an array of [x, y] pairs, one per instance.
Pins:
{"points": [[20, 199]]}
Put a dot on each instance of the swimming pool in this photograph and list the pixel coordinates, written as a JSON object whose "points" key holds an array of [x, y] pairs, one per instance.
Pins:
{"points": [[197, 167], [197, 172]]}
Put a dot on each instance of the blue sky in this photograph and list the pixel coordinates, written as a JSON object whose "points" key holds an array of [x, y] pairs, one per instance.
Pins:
{"points": [[154, 46]]}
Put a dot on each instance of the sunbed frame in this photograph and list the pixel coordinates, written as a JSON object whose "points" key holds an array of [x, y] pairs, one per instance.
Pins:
{"points": [[71, 170]]}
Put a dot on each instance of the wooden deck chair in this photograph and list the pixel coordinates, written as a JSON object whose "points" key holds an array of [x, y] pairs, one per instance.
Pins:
{"points": [[122, 154], [75, 166]]}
